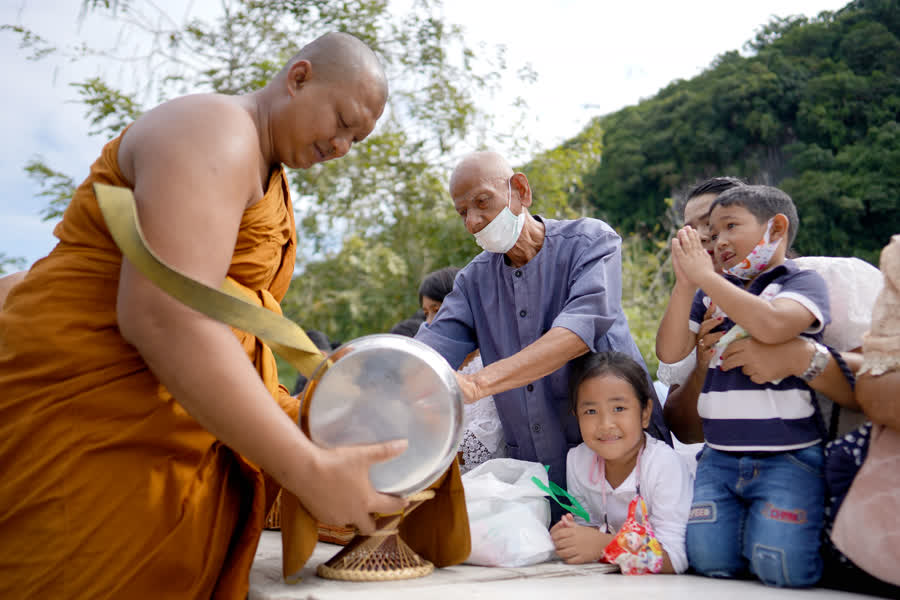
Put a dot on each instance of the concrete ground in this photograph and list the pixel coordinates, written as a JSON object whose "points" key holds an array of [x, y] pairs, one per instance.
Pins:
{"points": [[546, 581]]}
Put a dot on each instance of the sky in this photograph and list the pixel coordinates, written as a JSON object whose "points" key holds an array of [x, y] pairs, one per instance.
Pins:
{"points": [[592, 57]]}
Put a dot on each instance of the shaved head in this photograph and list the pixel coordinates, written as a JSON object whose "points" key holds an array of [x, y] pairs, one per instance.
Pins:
{"points": [[480, 166], [340, 57]]}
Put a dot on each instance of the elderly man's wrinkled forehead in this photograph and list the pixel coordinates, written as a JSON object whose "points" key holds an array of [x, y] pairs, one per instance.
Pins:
{"points": [[478, 168]]}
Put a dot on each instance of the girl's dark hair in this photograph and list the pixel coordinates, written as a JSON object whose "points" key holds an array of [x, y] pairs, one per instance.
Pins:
{"points": [[597, 364], [438, 284], [408, 327], [319, 339]]}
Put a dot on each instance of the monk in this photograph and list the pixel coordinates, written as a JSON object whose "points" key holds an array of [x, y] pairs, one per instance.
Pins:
{"points": [[135, 432]]}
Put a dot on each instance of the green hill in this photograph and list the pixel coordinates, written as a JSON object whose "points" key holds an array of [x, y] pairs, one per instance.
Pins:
{"points": [[813, 109]]}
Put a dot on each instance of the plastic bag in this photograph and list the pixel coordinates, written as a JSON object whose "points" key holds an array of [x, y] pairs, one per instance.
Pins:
{"points": [[509, 517], [635, 548]]}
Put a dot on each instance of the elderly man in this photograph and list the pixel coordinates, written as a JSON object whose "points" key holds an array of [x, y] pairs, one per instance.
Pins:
{"points": [[542, 293], [134, 431]]}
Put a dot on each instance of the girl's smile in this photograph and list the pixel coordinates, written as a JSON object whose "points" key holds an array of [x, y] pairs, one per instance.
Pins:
{"points": [[611, 419]]}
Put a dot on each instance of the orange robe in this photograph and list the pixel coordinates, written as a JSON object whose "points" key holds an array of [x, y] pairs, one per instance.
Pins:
{"points": [[109, 488]]}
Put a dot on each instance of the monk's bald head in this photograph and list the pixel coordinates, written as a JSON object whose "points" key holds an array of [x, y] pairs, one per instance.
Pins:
{"points": [[340, 57], [480, 166]]}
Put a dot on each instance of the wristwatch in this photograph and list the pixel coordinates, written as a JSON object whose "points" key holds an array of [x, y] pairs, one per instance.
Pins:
{"points": [[817, 364]]}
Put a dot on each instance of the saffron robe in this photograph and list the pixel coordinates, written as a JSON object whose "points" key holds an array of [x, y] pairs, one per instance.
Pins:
{"points": [[110, 489]]}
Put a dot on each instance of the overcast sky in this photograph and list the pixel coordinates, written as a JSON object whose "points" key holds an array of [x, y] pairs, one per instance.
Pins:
{"points": [[592, 57]]}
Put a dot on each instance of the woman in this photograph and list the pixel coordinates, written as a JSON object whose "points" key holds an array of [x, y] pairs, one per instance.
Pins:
{"points": [[865, 529]]}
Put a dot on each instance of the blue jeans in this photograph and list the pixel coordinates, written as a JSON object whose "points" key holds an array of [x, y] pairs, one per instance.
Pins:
{"points": [[762, 512]]}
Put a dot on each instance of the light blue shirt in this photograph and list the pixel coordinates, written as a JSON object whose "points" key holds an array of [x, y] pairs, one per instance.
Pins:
{"points": [[573, 282]]}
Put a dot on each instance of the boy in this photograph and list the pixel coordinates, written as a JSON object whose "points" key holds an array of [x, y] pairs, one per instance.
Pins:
{"points": [[758, 495]]}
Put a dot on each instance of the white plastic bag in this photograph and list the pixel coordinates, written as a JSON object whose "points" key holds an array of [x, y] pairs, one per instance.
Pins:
{"points": [[508, 515]]}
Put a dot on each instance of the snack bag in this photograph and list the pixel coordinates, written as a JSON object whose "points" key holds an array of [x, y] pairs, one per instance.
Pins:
{"points": [[635, 548], [735, 333]]}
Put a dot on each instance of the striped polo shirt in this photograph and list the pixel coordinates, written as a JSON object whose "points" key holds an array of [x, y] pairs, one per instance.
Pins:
{"points": [[742, 416]]}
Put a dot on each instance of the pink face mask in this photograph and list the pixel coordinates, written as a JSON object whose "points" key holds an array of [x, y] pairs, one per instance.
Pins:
{"points": [[759, 258]]}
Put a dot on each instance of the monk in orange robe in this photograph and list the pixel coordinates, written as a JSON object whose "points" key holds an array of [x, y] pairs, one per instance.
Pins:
{"points": [[134, 431]]}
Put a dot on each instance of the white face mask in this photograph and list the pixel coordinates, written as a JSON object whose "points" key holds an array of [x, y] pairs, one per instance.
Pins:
{"points": [[503, 231], [759, 258]]}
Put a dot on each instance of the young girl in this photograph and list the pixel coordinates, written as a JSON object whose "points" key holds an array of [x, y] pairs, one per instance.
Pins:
{"points": [[610, 395]]}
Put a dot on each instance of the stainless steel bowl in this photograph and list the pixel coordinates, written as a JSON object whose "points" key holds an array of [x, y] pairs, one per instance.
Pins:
{"points": [[384, 387]]}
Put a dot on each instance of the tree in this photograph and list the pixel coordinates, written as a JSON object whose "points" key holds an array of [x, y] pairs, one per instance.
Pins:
{"points": [[10, 264], [813, 109], [557, 175], [371, 225]]}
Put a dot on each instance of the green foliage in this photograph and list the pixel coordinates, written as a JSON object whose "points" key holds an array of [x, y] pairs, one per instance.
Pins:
{"points": [[851, 195], [10, 264], [367, 297], [556, 176], [56, 188], [109, 110], [647, 277], [37, 46], [814, 110], [813, 107], [370, 225]]}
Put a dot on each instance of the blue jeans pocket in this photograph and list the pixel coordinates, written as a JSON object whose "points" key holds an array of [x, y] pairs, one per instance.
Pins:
{"points": [[769, 565], [703, 452], [810, 459]]}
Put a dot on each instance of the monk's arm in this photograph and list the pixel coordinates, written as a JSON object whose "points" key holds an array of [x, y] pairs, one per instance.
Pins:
{"points": [[879, 397], [540, 358], [191, 197], [205, 368]]}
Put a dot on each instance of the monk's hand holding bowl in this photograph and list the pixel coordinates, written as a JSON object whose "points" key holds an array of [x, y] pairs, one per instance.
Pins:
{"points": [[336, 488]]}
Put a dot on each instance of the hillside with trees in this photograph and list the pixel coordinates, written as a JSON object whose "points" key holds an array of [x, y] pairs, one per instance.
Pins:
{"points": [[813, 109], [811, 106]]}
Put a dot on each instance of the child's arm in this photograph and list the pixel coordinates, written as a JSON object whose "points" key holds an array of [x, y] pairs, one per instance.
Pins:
{"points": [[772, 322], [674, 340], [769, 322], [578, 544]]}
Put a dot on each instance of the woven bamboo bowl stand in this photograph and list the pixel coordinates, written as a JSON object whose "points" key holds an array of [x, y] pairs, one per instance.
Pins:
{"points": [[382, 556]]}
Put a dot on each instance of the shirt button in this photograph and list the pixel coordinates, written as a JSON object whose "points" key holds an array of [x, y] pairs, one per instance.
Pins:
{"points": [[536, 428], [522, 313], [530, 387], [518, 273]]}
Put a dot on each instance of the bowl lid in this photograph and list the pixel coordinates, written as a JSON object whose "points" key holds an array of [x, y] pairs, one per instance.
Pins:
{"points": [[384, 387]]}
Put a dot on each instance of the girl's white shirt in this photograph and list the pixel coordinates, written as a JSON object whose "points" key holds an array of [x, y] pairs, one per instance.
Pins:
{"points": [[666, 485]]}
